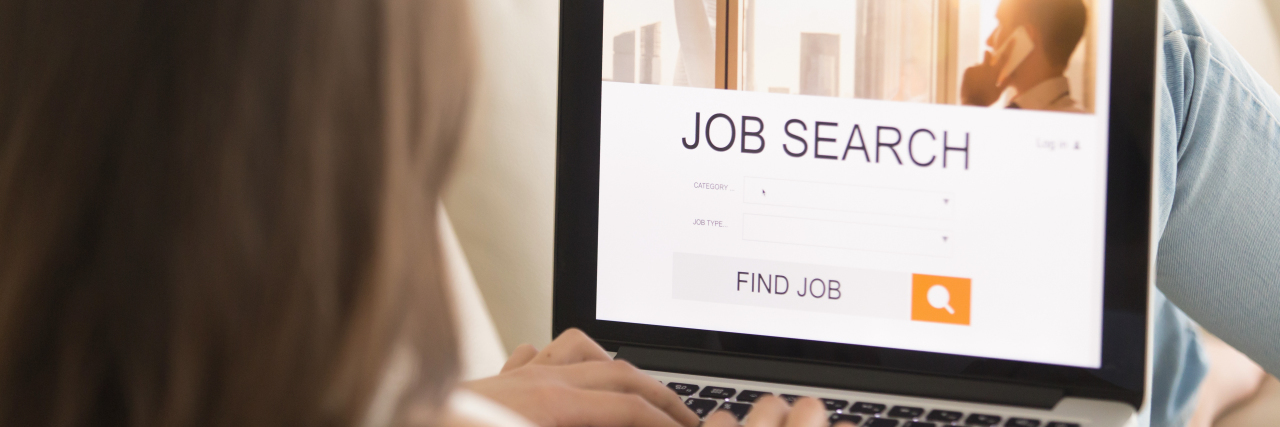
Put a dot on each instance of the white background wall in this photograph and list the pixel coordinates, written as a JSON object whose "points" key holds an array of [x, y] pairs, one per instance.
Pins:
{"points": [[503, 188], [1250, 28]]}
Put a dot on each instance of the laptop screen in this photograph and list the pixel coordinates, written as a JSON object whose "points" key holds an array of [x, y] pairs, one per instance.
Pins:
{"points": [[925, 175]]}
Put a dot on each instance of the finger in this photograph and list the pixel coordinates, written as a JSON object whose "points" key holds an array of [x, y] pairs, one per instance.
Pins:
{"points": [[769, 411], [845, 423], [572, 346], [987, 58], [608, 409], [620, 376], [523, 354], [722, 419], [807, 412]]}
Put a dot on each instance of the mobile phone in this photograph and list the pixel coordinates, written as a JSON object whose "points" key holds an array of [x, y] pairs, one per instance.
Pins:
{"points": [[1015, 49]]}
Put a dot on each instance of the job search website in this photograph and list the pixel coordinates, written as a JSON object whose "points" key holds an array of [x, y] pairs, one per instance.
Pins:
{"points": [[973, 230]]}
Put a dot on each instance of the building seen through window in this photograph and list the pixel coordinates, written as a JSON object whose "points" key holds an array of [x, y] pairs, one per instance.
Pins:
{"points": [[893, 50]]}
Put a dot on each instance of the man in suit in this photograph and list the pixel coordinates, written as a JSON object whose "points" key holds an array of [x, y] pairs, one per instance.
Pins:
{"points": [[1052, 29]]}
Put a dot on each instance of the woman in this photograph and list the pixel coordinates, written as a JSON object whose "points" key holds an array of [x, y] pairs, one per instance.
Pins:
{"points": [[222, 213]]}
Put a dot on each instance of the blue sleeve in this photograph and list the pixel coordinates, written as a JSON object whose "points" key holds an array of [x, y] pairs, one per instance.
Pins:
{"points": [[1179, 365], [1218, 198], [1219, 149]]}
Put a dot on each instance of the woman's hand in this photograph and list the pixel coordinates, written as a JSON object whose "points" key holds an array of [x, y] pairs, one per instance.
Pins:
{"points": [[573, 382], [771, 411]]}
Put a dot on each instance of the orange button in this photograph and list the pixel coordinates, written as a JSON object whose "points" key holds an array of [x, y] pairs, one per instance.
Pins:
{"points": [[940, 299]]}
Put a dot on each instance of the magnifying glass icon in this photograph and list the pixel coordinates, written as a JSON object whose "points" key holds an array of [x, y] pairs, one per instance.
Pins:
{"points": [[940, 298]]}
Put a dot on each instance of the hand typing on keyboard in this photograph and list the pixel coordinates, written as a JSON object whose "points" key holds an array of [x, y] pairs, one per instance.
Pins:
{"points": [[574, 382], [773, 411]]}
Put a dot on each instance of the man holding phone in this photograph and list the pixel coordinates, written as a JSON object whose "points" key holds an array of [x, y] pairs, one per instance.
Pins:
{"points": [[1032, 45]]}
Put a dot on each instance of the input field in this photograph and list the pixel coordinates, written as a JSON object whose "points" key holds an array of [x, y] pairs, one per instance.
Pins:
{"points": [[847, 235], [850, 198]]}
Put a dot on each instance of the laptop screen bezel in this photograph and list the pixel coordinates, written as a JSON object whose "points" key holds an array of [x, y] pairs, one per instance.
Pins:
{"points": [[1127, 248]]}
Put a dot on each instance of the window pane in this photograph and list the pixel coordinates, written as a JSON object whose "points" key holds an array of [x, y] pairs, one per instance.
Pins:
{"points": [[896, 56], [660, 42], [798, 46]]}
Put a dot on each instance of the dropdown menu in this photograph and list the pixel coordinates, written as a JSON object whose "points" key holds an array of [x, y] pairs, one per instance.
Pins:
{"points": [[846, 235], [849, 198]]}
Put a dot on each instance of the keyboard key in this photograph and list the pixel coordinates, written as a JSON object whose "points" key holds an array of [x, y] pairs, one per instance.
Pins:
{"points": [[750, 396], [702, 407], [1062, 424], [1022, 422], [835, 405], [982, 420], [738, 409], [920, 424], [866, 408], [790, 398], [906, 412], [855, 419], [882, 422], [944, 416], [717, 392], [683, 389]]}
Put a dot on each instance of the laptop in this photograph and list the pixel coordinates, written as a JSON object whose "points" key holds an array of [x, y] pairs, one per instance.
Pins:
{"points": [[922, 212]]}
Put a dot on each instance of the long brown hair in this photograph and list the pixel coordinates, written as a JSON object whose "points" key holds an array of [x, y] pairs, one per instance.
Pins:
{"points": [[221, 212]]}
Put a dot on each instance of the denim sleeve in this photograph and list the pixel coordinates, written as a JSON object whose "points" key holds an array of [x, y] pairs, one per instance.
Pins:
{"points": [[1179, 365], [1218, 196], [1219, 189]]}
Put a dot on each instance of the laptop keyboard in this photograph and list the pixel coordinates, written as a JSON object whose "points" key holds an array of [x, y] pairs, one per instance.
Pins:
{"points": [[704, 399]]}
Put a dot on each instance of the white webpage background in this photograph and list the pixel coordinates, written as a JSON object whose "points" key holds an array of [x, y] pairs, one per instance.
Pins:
{"points": [[1026, 224]]}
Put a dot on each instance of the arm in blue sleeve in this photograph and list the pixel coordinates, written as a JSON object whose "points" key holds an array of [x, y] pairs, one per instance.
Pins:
{"points": [[1219, 188]]}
